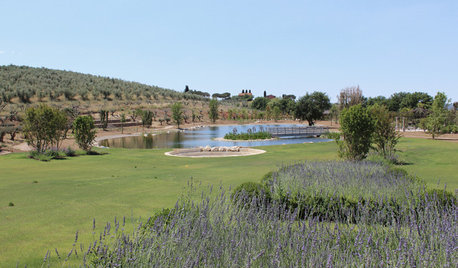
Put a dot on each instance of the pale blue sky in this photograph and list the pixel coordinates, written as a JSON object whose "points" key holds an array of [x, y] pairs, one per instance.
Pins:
{"points": [[280, 46]]}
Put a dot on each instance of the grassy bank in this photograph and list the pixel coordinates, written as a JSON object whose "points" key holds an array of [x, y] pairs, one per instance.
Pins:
{"points": [[69, 194]]}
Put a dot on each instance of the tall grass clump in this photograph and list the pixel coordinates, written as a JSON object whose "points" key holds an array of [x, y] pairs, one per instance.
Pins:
{"points": [[213, 232]]}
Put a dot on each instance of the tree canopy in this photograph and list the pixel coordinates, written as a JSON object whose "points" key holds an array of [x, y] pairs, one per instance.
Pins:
{"points": [[311, 107]]}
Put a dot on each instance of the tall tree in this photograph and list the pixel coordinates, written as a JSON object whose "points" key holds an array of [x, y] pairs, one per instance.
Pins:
{"points": [[213, 111], [350, 96], [436, 120], [177, 113], [311, 107]]}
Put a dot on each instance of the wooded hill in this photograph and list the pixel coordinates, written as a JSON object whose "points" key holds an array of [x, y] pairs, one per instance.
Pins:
{"points": [[23, 84]]}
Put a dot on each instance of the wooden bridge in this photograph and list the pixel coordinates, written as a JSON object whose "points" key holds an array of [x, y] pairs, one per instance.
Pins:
{"points": [[309, 131]]}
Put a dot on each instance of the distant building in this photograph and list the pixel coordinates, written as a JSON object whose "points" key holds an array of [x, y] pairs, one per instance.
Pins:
{"points": [[246, 93], [270, 96]]}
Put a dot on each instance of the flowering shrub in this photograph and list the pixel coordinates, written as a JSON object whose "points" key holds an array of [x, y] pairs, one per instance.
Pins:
{"points": [[259, 232]]}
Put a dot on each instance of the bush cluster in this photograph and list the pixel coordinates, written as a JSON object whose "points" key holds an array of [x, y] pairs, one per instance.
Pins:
{"points": [[261, 135]]}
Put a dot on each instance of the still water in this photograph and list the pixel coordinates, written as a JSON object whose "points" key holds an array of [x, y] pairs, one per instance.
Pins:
{"points": [[201, 137]]}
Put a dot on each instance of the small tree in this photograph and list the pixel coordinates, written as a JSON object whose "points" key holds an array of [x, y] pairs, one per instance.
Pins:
{"points": [[84, 129], [44, 126], [123, 120], [435, 122], [357, 128], [104, 114], [177, 113], [213, 112], [147, 118], [311, 107], [385, 136]]}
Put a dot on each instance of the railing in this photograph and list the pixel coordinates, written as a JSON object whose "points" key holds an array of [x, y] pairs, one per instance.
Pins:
{"points": [[297, 131]]}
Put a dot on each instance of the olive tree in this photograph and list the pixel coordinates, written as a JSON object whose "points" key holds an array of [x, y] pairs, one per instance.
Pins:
{"points": [[177, 113], [213, 111], [44, 126], [84, 129], [311, 107]]}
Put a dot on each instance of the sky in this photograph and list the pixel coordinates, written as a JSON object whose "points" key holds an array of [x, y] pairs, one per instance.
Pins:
{"points": [[283, 47]]}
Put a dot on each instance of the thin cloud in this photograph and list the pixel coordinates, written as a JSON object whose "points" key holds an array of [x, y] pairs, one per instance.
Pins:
{"points": [[2, 52]]}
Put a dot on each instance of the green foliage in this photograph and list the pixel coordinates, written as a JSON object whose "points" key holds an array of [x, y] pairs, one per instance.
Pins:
{"points": [[84, 130], [177, 113], [26, 82], [385, 136], [47, 155], [147, 118], [213, 111], [287, 105], [225, 95], [44, 126], [436, 121], [260, 103], [357, 128], [104, 114], [248, 190], [248, 136], [312, 106], [401, 100], [123, 120]]}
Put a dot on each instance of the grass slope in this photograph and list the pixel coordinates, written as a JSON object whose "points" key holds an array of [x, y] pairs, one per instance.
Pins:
{"points": [[134, 183]]}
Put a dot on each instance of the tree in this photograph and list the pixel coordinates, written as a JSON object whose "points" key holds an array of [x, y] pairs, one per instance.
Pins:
{"points": [[435, 122], [177, 113], [385, 136], [350, 96], [357, 128], [287, 106], [334, 113], [123, 120], [84, 129], [44, 126], [147, 118], [213, 112], [260, 103], [311, 107], [104, 114]]}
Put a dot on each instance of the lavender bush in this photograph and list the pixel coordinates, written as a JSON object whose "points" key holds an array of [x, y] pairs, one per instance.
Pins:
{"points": [[215, 232]]}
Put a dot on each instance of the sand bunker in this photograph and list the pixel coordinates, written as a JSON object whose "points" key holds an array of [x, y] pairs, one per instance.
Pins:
{"points": [[197, 153]]}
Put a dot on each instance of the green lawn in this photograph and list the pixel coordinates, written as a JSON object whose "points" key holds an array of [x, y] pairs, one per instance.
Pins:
{"points": [[135, 183]]}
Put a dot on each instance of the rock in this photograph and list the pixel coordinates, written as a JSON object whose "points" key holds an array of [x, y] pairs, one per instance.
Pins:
{"points": [[214, 149], [207, 148]]}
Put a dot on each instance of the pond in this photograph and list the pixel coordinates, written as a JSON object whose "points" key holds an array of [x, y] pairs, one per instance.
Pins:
{"points": [[202, 137]]}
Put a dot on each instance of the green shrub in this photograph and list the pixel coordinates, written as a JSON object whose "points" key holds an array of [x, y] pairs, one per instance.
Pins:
{"points": [[70, 152], [245, 192], [248, 136], [84, 129], [11, 204]]}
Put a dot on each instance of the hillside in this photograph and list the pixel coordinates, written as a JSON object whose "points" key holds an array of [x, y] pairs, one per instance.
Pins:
{"points": [[23, 84]]}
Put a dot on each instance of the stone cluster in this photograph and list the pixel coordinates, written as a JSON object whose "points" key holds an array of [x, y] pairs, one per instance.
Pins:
{"points": [[220, 149]]}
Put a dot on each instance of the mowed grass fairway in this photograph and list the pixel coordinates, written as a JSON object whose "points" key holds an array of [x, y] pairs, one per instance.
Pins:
{"points": [[134, 183]]}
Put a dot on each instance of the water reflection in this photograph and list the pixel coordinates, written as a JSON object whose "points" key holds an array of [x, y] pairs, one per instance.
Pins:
{"points": [[199, 137]]}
